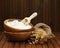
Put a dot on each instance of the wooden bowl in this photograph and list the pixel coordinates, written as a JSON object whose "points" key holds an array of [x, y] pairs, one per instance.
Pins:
{"points": [[10, 29], [17, 36]]}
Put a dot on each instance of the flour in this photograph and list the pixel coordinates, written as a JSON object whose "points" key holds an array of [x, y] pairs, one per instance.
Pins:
{"points": [[18, 25]]}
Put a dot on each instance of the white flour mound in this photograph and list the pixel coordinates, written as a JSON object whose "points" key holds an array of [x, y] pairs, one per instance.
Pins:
{"points": [[18, 25]]}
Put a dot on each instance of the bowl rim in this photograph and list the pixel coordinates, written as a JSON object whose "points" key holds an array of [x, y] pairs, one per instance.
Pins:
{"points": [[16, 28]]}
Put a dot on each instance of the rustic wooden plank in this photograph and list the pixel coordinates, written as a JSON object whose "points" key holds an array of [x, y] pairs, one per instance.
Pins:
{"points": [[22, 44], [1, 37], [2, 42], [38, 46], [44, 45], [54, 43], [28, 45], [8, 44], [57, 41], [33, 46], [50, 45], [17, 45]]}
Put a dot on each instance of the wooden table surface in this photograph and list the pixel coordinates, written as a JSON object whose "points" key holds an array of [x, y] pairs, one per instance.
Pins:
{"points": [[53, 43]]}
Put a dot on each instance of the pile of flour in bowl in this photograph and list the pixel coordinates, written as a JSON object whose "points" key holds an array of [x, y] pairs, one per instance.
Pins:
{"points": [[18, 25]]}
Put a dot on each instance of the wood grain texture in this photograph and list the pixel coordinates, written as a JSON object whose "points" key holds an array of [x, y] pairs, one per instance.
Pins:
{"points": [[48, 11], [53, 43]]}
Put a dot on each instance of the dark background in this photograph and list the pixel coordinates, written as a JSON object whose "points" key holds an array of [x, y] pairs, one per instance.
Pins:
{"points": [[48, 11]]}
